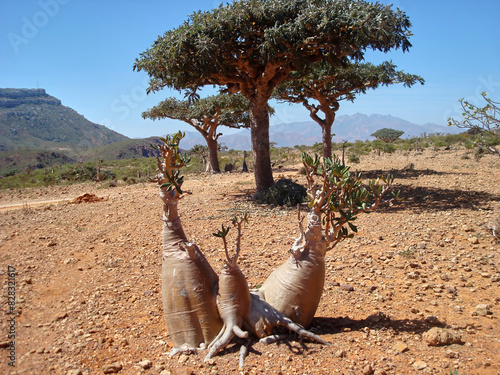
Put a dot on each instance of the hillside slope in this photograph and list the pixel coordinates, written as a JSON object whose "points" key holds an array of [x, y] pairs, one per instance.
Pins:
{"points": [[32, 119]]}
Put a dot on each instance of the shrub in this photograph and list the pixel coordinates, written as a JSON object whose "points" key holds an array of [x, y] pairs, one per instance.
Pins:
{"points": [[353, 158], [283, 192]]}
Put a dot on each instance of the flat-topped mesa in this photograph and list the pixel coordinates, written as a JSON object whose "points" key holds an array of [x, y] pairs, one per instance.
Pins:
{"points": [[10, 98]]}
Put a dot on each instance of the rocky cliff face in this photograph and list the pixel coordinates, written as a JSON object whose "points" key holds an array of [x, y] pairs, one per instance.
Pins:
{"points": [[10, 98], [32, 119]]}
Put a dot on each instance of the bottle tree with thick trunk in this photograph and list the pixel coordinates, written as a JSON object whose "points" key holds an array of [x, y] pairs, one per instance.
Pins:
{"points": [[206, 115], [201, 309], [321, 88], [336, 198], [251, 46]]}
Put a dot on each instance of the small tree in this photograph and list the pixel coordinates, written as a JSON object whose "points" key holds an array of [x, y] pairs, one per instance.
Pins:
{"points": [[481, 121], [388, 135], [328, 86], [201, 152], [205, 115]]}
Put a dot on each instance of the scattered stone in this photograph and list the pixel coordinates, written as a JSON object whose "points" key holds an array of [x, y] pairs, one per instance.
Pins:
{"points": [[451, 354], [419, 365], [145, 364], [113, 368], [441, 336], [61, 317], [74, 372], [367, 370], [340, 353], [371, 288], [183, 358], [483, 309], [347, 287], [495, 278], [400, 347], [473, 240]]}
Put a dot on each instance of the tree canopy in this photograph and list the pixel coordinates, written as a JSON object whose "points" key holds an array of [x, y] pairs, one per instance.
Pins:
{"points": [[205, 115], [328, 85], [388, 135], [250, 46]]}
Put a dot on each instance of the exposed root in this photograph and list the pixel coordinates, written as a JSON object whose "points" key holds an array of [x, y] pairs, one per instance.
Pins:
{"points": [[223, 338], [263, 319], [243, 354], [273, 338], [185, 349]]}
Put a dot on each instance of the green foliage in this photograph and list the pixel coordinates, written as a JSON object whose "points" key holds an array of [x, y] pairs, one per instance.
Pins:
{"points": [[339, 196], [250, 46], [172, 163], [388, 135], [223, 109], [283, 192], [481, 122], [254, 34], [354, 159], [388, 148]]}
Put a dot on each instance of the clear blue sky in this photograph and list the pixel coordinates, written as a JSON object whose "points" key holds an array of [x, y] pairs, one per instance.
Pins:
{"points": [[82, 52]]}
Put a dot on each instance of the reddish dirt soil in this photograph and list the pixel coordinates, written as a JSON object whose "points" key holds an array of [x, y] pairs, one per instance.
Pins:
{"points": [[88, 275]]}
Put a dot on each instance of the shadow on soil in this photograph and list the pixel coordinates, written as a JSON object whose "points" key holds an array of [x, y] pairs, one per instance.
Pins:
{"points": [[437, 199], [378, 321], [431, 198], [322, 326], [419, 198]]}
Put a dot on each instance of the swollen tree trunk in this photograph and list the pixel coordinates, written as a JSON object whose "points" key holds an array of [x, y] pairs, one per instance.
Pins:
{"points": [[259, 117], [213, 154], [189, 284], [296, 286]]}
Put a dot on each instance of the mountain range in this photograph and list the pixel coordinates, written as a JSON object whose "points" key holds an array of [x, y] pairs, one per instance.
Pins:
{"points": [[346, 128], [37, 131]]}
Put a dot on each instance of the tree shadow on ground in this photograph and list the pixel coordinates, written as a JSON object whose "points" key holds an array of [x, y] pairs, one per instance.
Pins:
{"points": [[404, 174], [430, 198], [437, 199], [378, 321], [423, 199]]}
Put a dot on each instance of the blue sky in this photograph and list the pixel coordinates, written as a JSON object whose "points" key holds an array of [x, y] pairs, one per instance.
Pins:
{"points": [[82, 52]]}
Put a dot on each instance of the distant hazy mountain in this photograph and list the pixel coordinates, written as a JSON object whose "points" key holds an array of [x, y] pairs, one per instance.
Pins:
{"points": [[349, 128], [32, 119]]}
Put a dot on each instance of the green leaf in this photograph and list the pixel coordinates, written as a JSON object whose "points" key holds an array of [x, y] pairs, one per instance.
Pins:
{"points": [[353, 227]]}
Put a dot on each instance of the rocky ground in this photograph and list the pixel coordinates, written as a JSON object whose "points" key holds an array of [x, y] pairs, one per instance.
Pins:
{"points": [[423, 272]]}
